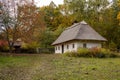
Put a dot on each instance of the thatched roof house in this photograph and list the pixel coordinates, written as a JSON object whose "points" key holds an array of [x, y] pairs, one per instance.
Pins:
{"points": [[78, 35]]}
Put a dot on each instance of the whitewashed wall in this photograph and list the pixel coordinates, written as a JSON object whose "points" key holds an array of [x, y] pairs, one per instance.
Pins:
{"points": [[57, 50], [77, 45], [91, 45], [70, 47]]}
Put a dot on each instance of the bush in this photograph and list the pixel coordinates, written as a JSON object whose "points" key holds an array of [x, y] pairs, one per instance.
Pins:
{"points": [[71, 54], [83, 52], [99, 52], [28, 50], [45, 50], [4, 48], [93, 52]]}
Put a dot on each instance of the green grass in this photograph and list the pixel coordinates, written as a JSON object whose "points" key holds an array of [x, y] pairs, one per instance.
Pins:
{"points": [[58, 67]]}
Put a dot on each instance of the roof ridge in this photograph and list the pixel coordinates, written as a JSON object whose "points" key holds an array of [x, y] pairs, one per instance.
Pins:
{"points": [[74, 25]]}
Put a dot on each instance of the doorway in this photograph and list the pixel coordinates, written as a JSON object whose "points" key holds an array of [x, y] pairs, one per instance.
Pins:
{"points": [[62, 49], [84, 45]]}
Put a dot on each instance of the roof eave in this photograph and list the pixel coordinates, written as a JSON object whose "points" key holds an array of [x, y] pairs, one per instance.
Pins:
{"points": [[105, 40]]}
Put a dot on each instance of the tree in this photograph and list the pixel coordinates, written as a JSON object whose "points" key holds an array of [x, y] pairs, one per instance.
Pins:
{"points": [[25, 23], [46, 38], [31, 23], [52, 16], [8, 25], [116, 26]]}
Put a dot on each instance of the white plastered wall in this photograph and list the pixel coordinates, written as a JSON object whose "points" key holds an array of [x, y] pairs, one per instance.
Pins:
{"points": [[91, 45], [70, 46], [77, 44], [58, 49]]}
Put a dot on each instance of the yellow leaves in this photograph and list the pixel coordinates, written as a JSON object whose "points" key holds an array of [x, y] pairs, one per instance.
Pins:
{"points": [[118, 3], [118, 16]]}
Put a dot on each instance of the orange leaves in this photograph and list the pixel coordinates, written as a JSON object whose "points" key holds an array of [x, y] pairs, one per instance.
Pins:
{"points": [[31, 22]]}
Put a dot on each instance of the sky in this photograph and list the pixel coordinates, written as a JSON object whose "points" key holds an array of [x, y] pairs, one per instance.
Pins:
{"points": [[40, 3]]}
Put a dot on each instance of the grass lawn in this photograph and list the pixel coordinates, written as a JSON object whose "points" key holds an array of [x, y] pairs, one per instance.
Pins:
{"points": [[58, 67]]}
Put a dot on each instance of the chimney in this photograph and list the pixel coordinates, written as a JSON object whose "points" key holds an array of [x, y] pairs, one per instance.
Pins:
{"points": [[75, 22]]}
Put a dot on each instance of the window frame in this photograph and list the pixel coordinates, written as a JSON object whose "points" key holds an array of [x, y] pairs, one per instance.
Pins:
{"points": [[58, 47]]}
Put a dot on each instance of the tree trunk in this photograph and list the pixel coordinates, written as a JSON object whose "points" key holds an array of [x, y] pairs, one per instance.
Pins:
{"points": [[10, 43]]}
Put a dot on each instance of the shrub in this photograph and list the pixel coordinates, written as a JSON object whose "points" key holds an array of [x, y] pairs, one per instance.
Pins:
{"points": [[4, 48], [93, 52], [45, 50], [83, 52], [98, 52], [29, 48], [71, 54]]}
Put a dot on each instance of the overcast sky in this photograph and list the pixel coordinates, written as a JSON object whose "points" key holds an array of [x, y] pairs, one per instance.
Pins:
{"points": [[47, 2]]}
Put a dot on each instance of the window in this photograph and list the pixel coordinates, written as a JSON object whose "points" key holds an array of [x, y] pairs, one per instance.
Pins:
{"points": [[73, 45], [56, 47], [67, 46], [84, 45]]}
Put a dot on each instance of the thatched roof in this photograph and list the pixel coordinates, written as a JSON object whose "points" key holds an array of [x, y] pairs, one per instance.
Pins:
{"points": [[79, 31]]}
